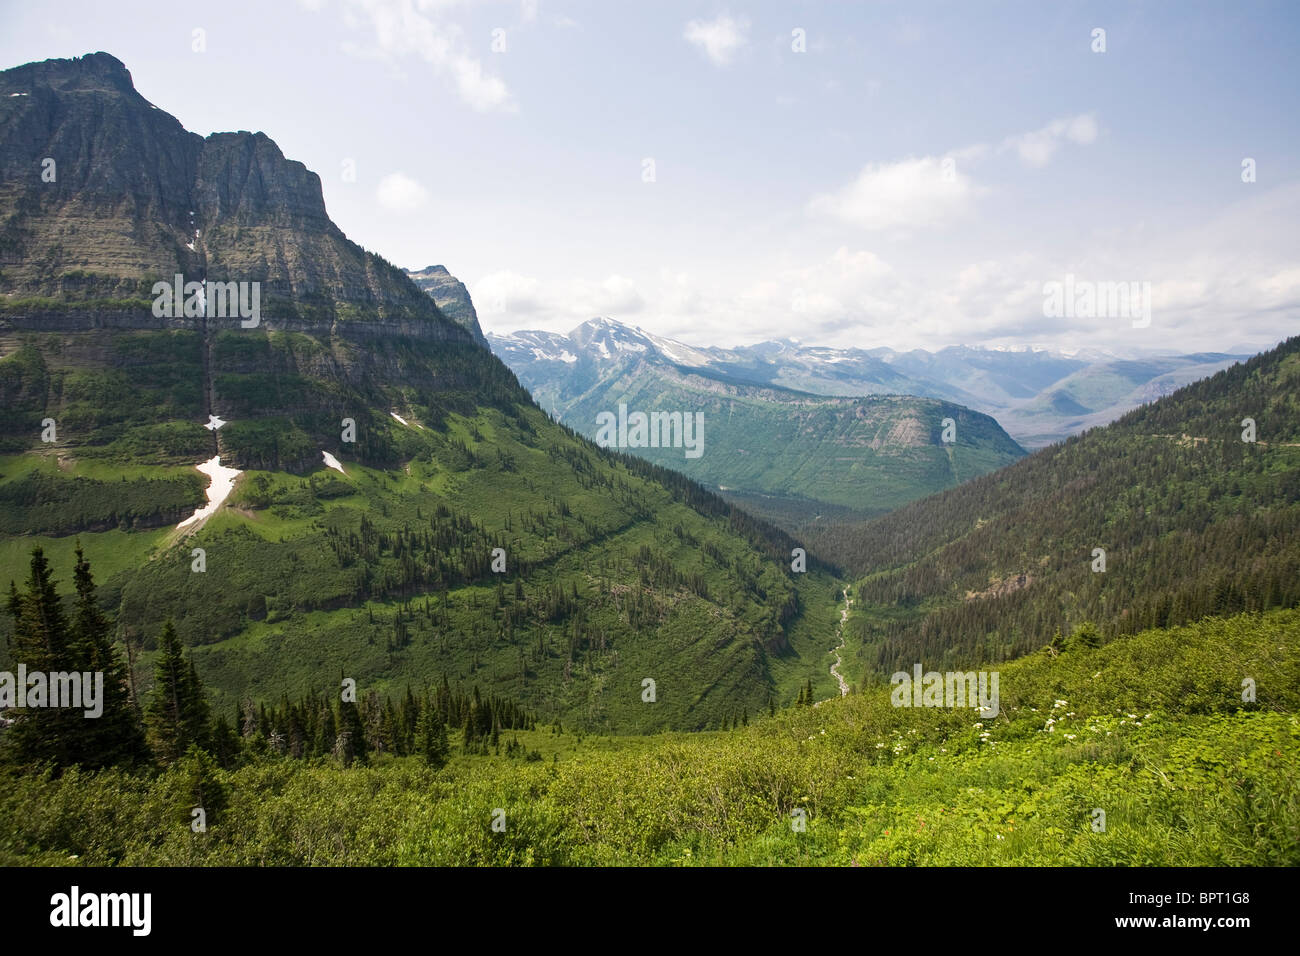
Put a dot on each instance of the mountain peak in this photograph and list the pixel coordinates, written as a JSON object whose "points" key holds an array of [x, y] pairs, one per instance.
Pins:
{"points": [[90, 72], [451, 297], [138, 198], [429, 272]]}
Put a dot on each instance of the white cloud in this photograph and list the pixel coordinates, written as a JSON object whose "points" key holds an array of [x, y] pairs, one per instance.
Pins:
{"points": [[505, 294], [934, 190], [403, 28], [720, 38], [1037, 148], [912, 192], [1231, 279], [399, 192], [510, 300]]}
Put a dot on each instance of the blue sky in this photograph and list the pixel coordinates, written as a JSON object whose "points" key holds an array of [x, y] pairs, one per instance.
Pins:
{"points": [[794, 193]]}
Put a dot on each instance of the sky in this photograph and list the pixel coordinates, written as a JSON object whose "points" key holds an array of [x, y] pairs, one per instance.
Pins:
{"points": [[909, 175]]}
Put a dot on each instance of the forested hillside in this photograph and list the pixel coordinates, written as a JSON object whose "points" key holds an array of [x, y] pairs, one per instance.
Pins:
{"points": [[1193, 520]]}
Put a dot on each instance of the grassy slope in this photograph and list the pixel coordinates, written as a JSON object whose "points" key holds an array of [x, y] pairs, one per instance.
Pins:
{"points": [[1150, 728], [714, 651]]}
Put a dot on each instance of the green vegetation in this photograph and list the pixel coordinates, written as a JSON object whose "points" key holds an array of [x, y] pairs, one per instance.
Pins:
{"points": [[791, 451], [1193, 521], [1151, 729]]}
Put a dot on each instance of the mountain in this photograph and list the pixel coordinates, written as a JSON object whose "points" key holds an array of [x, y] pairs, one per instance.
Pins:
{"points": [[451, 297], [379, 499], [1103, 390], [1037, 395], [1194, 500], [791, 457]]}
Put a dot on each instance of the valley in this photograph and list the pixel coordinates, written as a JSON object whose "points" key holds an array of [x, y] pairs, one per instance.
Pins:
{"points": [[367, 594]]}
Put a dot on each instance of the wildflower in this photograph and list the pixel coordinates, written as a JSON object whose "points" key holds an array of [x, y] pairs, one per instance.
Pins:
{"points": [[979, 726]]}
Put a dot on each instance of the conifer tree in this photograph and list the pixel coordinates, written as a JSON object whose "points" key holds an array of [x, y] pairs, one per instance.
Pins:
{"points": [[177, 715], [350, 723], [115, 737], [432, 734], [40, 642]]}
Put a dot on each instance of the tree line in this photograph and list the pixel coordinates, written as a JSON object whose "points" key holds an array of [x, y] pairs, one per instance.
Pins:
{"points": [[175, 721]]}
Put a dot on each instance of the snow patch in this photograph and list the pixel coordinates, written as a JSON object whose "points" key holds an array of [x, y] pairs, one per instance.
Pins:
{"points": [[678, 352], [333, 462], [223, 482]]}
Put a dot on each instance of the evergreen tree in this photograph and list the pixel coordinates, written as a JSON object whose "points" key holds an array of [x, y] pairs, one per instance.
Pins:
{"points": [[351, 725], [177, 715], [115, 736], [225, 743], [432, 734], [40, 641]]}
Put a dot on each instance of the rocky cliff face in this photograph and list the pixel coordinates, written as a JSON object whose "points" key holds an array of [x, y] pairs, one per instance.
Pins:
{"points": [[451, 297], [102, 195]]}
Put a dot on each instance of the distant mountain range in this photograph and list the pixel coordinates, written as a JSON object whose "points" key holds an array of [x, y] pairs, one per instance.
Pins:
{"points": [[1038, 396], [789, 455]]}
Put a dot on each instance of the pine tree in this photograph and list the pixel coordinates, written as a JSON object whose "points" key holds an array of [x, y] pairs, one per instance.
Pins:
{"points": [[350, 724], [41, 642], [115, 736], [432, 734], [177, 715], [225, 743]]}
